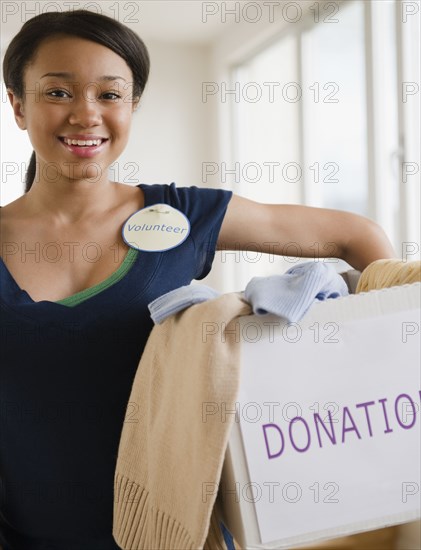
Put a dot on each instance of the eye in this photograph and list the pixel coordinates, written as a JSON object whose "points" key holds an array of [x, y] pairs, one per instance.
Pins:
{"points": [[59, 94], [113, 96]]}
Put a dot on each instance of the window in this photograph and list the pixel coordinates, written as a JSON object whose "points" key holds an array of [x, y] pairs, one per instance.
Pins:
{"points": [[334, 113], [337, 131]]}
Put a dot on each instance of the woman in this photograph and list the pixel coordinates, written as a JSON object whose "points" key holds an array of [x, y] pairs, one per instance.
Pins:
{"points": [[74, 294]]}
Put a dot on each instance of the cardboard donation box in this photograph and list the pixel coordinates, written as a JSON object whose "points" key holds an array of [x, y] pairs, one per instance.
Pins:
{"points": [[326, 434]]}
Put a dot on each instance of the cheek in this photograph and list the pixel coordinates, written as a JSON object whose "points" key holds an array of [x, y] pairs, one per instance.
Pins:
{"points": [[123, 119], [43, 119], [121, 129]]}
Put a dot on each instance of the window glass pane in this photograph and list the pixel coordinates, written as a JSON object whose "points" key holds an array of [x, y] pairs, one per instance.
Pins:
{"points": [[386, 149], [266, 141], [409, 91], [267, 125], [334, 103]]}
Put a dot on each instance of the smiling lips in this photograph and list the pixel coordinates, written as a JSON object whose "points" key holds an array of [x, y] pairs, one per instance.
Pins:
{"points": [[83, 142], [83, 147]]}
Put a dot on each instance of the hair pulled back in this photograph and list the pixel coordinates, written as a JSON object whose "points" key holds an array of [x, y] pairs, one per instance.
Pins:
{"points": [[81, 23]]}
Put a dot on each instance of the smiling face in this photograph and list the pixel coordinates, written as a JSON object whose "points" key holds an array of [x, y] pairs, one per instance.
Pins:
{"points": [[77, 108]]}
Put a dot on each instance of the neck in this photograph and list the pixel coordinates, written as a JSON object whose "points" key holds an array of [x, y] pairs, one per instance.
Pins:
{"points": [[69, 201]]}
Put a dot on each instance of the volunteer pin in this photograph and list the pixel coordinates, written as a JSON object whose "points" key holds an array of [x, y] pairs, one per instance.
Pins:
{"points": [[156, 228]]}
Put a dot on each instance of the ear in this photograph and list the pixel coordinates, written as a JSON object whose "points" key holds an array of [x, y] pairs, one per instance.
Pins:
{"points": [[18, 109], [136, 103]]}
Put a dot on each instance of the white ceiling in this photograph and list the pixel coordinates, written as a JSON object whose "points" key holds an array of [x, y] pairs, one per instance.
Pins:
{"points": [[174, 21], [162, 20], [180, 21]]}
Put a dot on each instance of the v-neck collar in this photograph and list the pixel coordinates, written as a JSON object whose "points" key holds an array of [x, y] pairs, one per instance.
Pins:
{"points": [[16, 298]]}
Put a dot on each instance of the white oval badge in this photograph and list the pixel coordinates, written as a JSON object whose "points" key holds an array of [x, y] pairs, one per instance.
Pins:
{"points": [[156, 228]]}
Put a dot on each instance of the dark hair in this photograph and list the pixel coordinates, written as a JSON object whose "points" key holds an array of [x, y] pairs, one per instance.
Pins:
{"points": [[81, 23]]}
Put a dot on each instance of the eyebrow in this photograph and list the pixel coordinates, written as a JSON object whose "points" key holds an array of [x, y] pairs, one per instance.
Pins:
{"points": [[71, 75]]}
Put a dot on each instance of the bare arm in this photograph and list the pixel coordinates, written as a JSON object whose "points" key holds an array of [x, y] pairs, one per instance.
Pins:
{"points": [[304, 231]]}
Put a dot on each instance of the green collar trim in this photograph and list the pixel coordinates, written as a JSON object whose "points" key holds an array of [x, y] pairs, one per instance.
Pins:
{"points": [[83, 295]]}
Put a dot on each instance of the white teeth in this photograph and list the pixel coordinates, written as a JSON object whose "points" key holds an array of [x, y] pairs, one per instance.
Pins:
{"points": [[83, 143]]}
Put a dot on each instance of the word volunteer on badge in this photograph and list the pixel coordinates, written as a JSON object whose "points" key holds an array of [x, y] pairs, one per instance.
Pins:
{"points": [[156, 228]]}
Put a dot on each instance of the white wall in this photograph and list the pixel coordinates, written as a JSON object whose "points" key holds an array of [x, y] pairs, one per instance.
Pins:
{"points": [[170, 132], [15, 150]]}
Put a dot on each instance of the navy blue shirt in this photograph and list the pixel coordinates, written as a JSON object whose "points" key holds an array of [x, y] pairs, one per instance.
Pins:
{"points": [[65, 380]]}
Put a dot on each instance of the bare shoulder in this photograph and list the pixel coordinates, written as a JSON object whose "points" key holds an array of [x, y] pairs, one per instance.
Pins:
{"points": [[14, 208], [16, 225], [11, 215], [129, 196]]}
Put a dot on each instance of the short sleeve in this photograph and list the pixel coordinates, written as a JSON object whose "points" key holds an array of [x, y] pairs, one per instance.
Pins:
{"points": [[205, 208]]}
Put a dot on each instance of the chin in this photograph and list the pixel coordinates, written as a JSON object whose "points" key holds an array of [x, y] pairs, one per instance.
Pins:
{"points": [[92, 172]]}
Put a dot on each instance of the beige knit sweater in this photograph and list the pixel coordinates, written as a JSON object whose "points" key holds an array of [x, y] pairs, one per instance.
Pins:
{"points": [[387, 273], [171, 452]]}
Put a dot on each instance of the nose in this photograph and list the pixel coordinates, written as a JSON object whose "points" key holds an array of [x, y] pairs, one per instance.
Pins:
{"points": [[86, 112]]}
